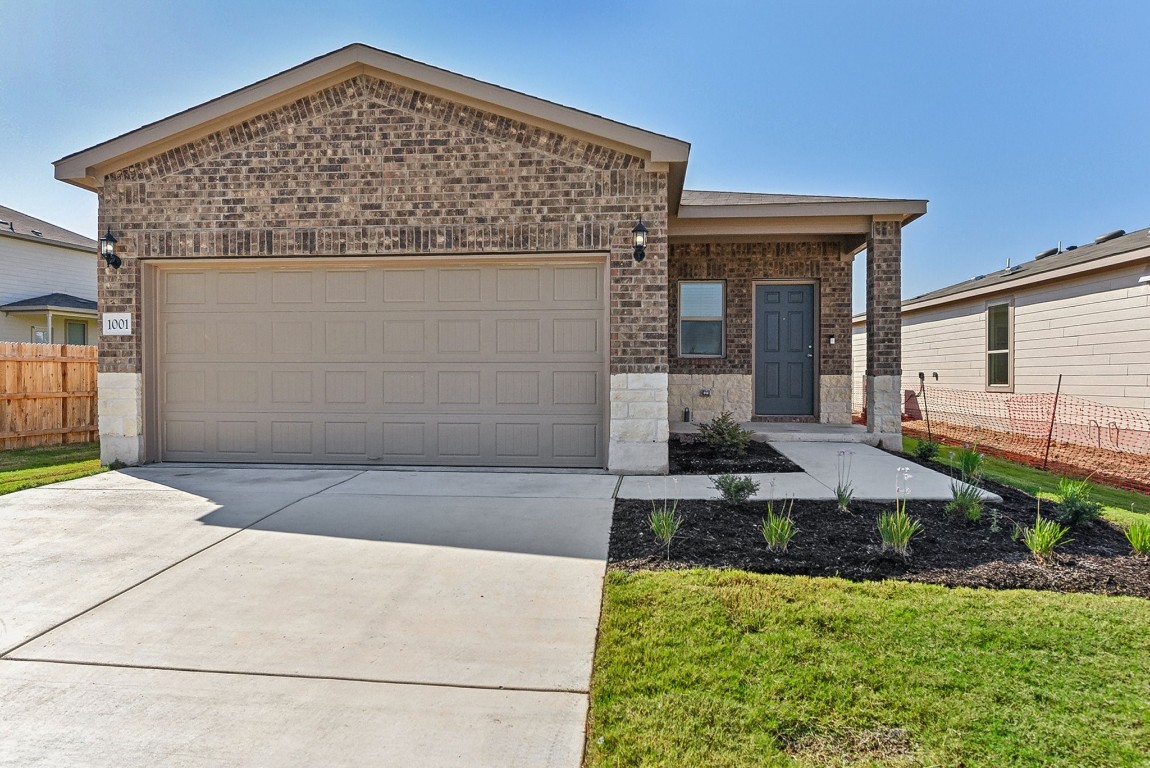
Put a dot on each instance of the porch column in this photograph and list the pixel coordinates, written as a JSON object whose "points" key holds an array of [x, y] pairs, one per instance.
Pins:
{"points": [[884, 331]]}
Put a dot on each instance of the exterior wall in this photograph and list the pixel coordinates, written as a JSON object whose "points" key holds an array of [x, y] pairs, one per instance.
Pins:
{"points": [[365, 167], [34, 269], [730, 378], [1094, 330]]}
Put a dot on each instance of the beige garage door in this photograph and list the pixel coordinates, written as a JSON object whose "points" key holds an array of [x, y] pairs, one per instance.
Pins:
{"points": [[461, 363]]}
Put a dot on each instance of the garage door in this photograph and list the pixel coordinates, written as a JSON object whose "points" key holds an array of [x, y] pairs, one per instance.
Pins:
{"points": [[463, 363]]}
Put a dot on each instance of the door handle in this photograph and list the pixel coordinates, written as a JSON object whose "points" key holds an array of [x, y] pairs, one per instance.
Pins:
{"points": [[809, 355]]}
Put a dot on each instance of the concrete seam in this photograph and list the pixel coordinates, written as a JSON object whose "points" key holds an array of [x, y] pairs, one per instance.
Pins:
{"points": [[7, 654], [298, 676]]}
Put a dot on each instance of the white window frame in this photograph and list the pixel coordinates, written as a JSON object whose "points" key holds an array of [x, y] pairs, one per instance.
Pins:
{"points": [[45, 331], [721, 319], [1008, 351]]}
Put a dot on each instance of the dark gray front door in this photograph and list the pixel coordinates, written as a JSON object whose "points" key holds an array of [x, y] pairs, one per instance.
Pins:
{"points": [[784, 350]]}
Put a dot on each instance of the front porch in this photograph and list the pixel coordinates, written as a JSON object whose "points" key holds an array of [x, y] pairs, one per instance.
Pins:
{"points": [[776, 432]]}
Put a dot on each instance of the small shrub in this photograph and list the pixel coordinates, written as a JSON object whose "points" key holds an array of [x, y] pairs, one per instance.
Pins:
{"points": [[1075, 505], [844, 490], [725, 435], [925, 450], [966, 500], [1138, 534], [1043, 538], [778, 529], [897, 529], [970, 465], [735, 489], [665, 522]]}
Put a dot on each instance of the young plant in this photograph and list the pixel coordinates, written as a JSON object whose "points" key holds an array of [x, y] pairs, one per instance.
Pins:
{"points": [[778, 529], [735, 489], [1138, 534], [970, 465], [1075, 505], [665, 522], [966, 500], [1043, 537], [897, 529], [725, 435], [844, 490], [925, 450]]}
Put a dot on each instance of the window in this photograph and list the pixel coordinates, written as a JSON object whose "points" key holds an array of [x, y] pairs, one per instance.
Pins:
{"points": [[39, 335], [998, 367], [701, 319], [76, 332]]}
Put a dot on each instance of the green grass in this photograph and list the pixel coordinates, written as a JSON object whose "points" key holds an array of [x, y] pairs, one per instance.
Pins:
{"points": [[1119, 505], [31, 467], [725, 668]]}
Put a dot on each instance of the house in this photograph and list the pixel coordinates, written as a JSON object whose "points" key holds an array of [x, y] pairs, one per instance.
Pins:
{"points": [[368, 259], [1082, 312], [47, 282]]}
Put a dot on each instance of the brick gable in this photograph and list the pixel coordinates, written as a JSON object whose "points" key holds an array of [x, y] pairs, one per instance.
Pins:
{"points": [[366, 167]]}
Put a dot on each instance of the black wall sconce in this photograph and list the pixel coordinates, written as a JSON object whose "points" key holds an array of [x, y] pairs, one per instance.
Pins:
{"points": [[108, 250], [639, 235]]}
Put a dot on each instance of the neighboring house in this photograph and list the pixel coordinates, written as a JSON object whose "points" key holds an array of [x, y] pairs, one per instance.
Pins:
{"points": [[1083, 312], [47, 282], [366, 259]]}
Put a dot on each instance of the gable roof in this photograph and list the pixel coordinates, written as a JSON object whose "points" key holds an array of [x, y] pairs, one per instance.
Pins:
{"points": [[1129, 247], [21, 226], [52, 301], [88, 167]]}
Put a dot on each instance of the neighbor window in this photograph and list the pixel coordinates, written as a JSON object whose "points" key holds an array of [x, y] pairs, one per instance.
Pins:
{"points": [[76, 333], [998, 364], [701, 319], [39, 335]]}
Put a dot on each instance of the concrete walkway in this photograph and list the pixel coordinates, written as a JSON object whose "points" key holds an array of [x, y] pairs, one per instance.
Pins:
{"points": [[873, 473], [277, 617]]}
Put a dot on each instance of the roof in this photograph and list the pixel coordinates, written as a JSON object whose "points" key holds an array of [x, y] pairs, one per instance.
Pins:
{"points": [[700, 197], [1047, 268], [52, 301], [88, 167], [24, 227], [745, 216]]}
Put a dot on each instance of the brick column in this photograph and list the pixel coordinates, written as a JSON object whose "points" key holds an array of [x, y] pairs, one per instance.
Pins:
{"points": [[884, 332]]}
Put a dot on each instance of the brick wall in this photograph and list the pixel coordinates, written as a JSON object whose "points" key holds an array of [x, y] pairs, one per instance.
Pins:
{"points": [[742, 263], [366, 167], [884, 299]]}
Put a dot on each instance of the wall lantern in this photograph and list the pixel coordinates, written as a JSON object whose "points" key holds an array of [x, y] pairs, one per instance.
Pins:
{"points": [[108, 250], [639, 233]]}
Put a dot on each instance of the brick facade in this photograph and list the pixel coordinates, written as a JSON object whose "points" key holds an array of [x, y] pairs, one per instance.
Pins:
{"points": [[366, 167], [740, 264], [884, 299]]}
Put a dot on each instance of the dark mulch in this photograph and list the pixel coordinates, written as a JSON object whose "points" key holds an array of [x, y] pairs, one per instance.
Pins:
{"points": [[689, 455], [949, 551]]}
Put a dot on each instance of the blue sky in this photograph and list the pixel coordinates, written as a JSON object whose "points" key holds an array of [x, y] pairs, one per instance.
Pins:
{"points": [[1023, 122]]}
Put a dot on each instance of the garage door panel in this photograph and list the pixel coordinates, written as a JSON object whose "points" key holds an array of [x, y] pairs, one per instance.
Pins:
{"points": [[479, 363]]}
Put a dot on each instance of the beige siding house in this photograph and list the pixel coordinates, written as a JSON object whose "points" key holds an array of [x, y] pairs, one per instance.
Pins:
{"points": [[1082, 312], [47, 282]]}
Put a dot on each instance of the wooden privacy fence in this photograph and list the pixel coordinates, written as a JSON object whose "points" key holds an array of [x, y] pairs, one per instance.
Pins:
{"points": [[48, 395]]}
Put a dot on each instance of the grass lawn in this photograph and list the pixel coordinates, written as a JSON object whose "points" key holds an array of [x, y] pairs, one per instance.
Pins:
{"points": [[726, 668], [30, 467], [1120, 506]]}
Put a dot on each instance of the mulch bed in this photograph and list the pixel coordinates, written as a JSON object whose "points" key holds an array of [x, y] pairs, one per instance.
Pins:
{"points": [[689, 455], [950, 551]]}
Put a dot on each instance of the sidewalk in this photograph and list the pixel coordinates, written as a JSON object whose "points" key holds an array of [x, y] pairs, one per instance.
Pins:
{"points": [[873, 473]]}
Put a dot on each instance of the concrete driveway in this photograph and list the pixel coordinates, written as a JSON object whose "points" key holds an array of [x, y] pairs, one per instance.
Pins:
{"points": [[216, 616]]}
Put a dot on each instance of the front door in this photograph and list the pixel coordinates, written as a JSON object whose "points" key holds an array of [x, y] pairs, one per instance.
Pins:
{"points": [[784, 350]]}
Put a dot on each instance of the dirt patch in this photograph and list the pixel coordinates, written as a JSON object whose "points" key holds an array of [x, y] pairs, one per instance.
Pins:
{"points": [[950, 550], [689, 455]]}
